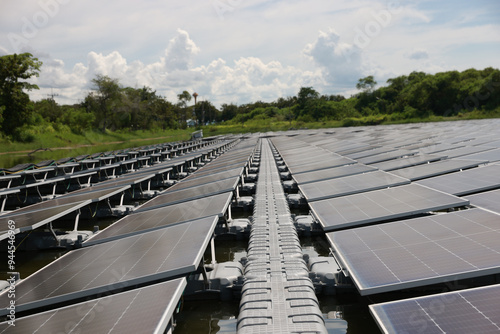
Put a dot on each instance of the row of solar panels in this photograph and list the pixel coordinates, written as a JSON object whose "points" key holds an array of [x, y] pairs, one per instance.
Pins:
{"points": [[120, 267], [39, 214], [380, 174]]}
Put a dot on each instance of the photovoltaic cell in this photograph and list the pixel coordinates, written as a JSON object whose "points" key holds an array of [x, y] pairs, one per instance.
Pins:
{"points": [[467, 311], [332, 173], [144, 310], [350, 185], [115, 265], [466, 182], [421, 251], [147, 220]]}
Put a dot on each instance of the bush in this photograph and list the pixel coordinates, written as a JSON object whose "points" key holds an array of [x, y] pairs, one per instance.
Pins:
{"points": [[24, 135]]}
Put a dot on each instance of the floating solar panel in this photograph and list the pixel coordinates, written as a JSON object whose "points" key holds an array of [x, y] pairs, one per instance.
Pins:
{"points": [[189, 194], [407, 161], [439, 148], [491, 155], [212, 178], [332, 173], [467, 150], [421, 251], [385, 156], [147, 220], [466, 182], [320, 164], [33, 220], [467, 311], [488, 200], [369, 153], [379, 205], [350, 185], [436, 168], [104, 268], [144, 310]]}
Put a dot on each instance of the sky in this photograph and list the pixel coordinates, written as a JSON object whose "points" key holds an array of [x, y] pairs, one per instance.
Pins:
{"points": [[243, 51]]}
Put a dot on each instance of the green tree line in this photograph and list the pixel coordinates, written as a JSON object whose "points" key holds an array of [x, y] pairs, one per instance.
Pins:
{"points": [[111, 106]]}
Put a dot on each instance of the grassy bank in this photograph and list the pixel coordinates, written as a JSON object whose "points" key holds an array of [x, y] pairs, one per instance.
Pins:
{"points": [[265, 125], [51, 144]]}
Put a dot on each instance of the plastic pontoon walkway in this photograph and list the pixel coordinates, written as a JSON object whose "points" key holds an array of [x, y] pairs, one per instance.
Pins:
{"points": [[277, 296]]}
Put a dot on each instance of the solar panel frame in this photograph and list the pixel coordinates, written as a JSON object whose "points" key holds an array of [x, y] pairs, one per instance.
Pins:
{"points": [[379, 205], [146, 309], [112, 266], [464, 311], [420, 251], [349, 185]]}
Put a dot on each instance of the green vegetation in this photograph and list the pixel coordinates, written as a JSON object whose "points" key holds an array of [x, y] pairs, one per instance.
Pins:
{"points": [[113, 113]]}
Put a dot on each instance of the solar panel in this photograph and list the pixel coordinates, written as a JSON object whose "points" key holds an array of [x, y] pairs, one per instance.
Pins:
{"points": [[75, 197], [116, 265], [212, 178], [385, 156], [147, 220], [488, 200], [462, 151], [32, 220], [350, 185], [148, 309], [421, 251], [369, 153], [320, 164], [436, 168], [466, 182], [189, 194], [379, 205], [491, 156], [407, 161], [467, 311], [332, 173], [439, 148]]}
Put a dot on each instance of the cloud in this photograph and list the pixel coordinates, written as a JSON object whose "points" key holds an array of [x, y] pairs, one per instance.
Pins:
{"points": [[244, 80], [180, 52], [342, 62], [418, 54]]}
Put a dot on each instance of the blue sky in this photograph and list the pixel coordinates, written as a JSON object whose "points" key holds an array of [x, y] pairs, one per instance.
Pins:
{"points": [[240, 51]]}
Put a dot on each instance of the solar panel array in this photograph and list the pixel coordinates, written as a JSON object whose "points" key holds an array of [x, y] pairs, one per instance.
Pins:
{"points": [[165, 238], [450, 238]]}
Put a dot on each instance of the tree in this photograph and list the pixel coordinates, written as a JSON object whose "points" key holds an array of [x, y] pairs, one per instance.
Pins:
{"points": [[104, 100], [183, 98], [366, 84], [15, 101], [306, 99]]}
